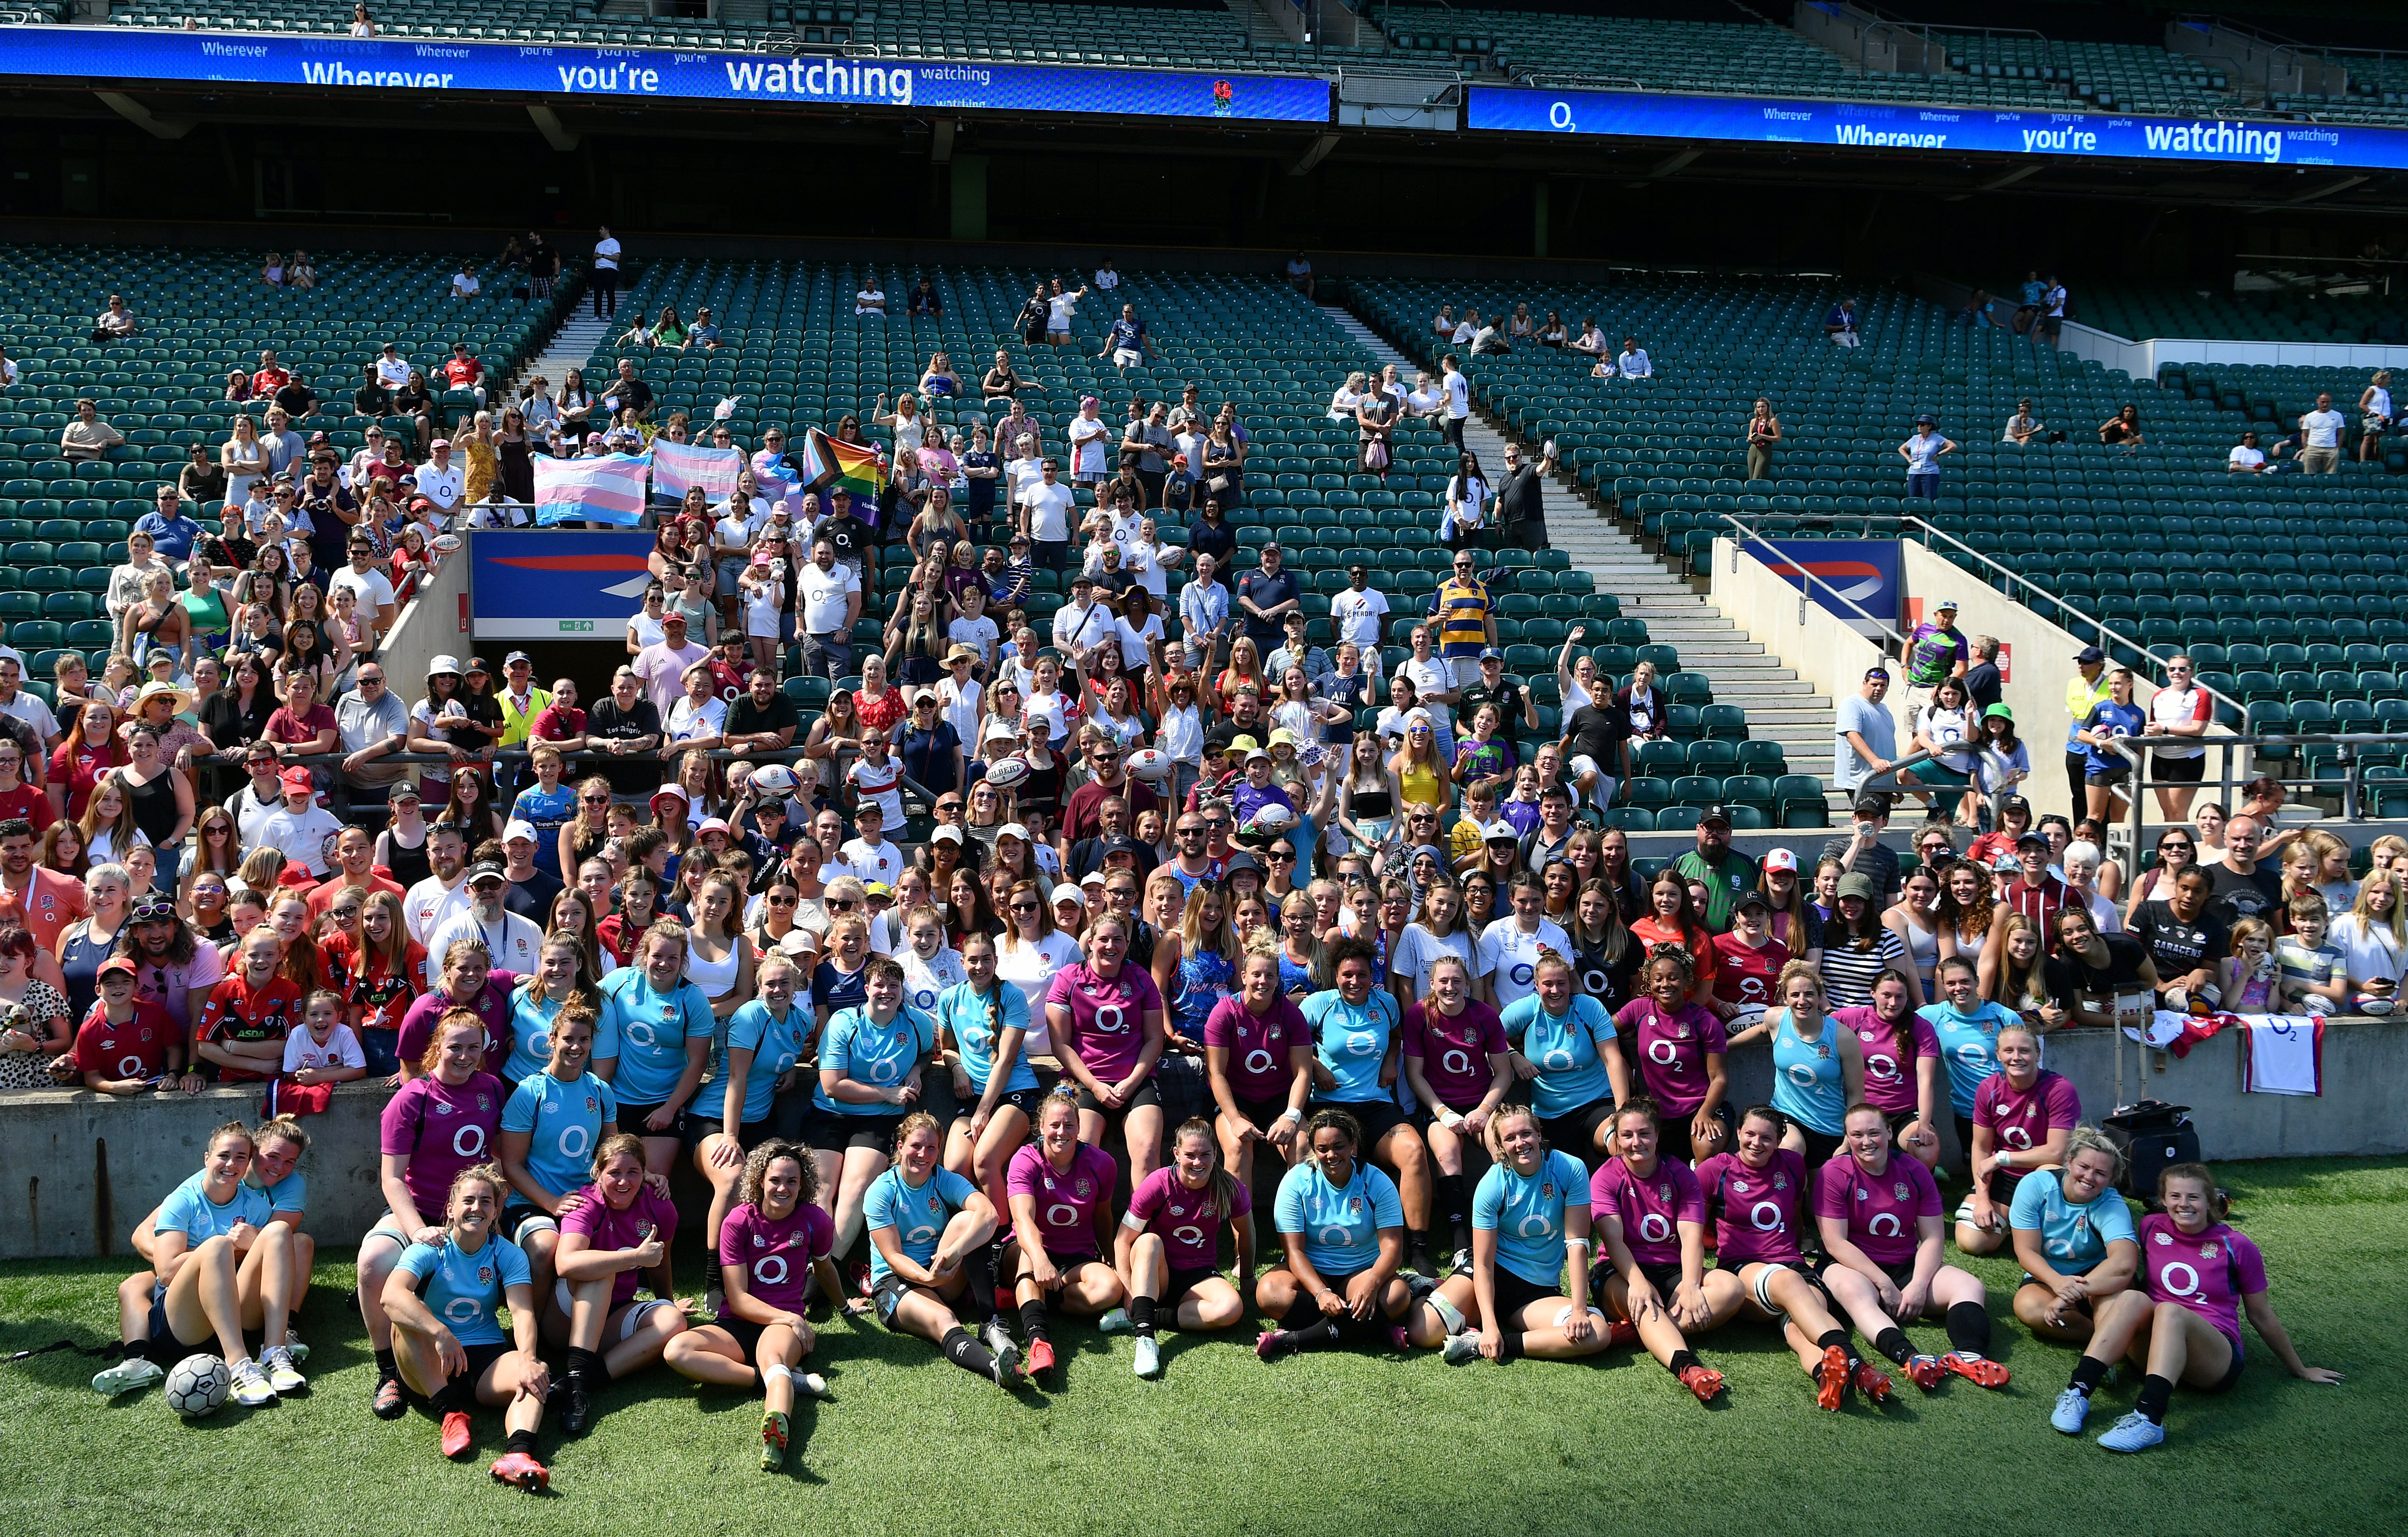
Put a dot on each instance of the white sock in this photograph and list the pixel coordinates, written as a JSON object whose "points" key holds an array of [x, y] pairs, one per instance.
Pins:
{"points": [[1447, 1312]]}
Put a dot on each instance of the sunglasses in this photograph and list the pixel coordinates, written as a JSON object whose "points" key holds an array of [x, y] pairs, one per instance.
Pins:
{"points": [[1282, 855], [1026, 907], [780, 901], [840, 904]]}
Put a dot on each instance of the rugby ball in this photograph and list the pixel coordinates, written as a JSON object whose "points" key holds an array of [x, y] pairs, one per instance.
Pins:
{"points": [[774, 779], [1271, 817], [1150, 764], [2377, 1004], [198, 1386], [445, 544], [1006, 771]]}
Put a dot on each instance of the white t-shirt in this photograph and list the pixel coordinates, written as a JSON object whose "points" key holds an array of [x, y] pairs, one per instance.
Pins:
{"points": [[1359, 616], [2179, 707], [1058, 310], [823, 594], [1143, 561], [1087, 446], [1030, 967], [511, 939], [2246, 458], [443, 487], [1510, 958], [300, 837], [959, 703], [1075, 625], [981, 635], [881, 861], [2322, 428], [339, 1050], [1049, 512], [429, 905], [371, 587], [870, 301], [1458, 397], [605, 253]]}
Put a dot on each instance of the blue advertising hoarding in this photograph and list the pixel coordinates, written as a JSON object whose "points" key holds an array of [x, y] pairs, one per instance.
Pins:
{"points": [[559, 584], [1892, 127], [385, 67], [1863, 571]]}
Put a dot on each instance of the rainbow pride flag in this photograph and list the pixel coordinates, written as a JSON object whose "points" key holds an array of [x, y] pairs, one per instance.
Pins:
{"points": [[827, 464]]}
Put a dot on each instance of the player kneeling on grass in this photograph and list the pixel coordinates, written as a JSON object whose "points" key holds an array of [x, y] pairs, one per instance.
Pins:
{"points": [[1344, 1227], [1655, 1231], [1883, 1237], [1753, 1194], [932, 1261], [445, 1299], [220, 1264], [770, 1247], [2183, 1320], [1166, 1248], [2074, 1236], [614, 1232], [1529, 1216]]}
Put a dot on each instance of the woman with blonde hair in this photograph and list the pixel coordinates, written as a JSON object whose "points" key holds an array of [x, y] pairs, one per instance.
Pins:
{"points": [[1418, 775], [2372, 937]]}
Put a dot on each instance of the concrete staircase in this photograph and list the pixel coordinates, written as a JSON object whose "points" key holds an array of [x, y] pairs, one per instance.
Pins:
{"points": [[569, 347], [1780, 707]]}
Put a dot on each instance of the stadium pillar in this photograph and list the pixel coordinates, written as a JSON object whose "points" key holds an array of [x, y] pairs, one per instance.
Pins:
{"points": [[970, 197], [1538, 218]]}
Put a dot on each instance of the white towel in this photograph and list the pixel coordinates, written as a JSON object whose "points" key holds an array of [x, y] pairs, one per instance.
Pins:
{"points": [[2286, 1054]]}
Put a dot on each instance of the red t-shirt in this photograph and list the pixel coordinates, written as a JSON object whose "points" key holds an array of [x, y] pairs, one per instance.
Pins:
{"points": [[462, 373], [238, 1012], [49, 904], [268, 380], [79, 767], [557, 723], [28, 803], [284, 726], [323, 895], [1746, 976], [136, 1049], [381, 994]]}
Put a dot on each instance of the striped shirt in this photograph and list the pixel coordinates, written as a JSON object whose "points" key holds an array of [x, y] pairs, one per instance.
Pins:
{"points": [[1461, 609], [1848, 974], [2039, 904]]}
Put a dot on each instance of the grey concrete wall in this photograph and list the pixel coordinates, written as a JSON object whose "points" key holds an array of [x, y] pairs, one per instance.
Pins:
{"points": [[78, 1169]]}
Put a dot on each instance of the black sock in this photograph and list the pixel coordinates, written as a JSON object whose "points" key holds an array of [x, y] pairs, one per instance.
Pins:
{"points": [[1840, 1337], [1682, 1360], [139, 1350], [977, 1303], [1324, 1335], [1508, 1346], [454, 1396], [1301, 1313], [1893, 1343], [1455, 1207], [1417, 1242], [589, 1365], [966, 1353], [521, 1442], [1032, 1319], [1141, 1317], [388, 1369], [2088, 1372], [1968, 1328], [2156, 1393]]}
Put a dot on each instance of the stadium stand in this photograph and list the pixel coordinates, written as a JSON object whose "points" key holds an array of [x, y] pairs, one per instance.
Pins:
{"points": [[2135, 310], [2279, 586]]}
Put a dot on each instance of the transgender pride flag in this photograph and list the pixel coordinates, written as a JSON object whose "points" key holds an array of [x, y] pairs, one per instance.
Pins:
{"points": [[609, 489], [678, 466]]}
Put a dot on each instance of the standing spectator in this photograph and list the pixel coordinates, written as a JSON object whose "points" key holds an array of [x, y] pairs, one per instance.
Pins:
{"points": [[1045, 509], [828, 598], [1984, 683], [1360, 613], [1465, 620], [1264, 596], [2051, 320], [1521, 500], [2178, 717], [1866, 735], [1934, 653], [1922, 454], [2320, 437], [1862, 853], [1126, 345], [606, 276], [1458, 398], [663, 667], [373, 723], [2086, 688], [2374, 415], [2108, 772], [1841, 324], [1763, 431], [1724, 872]]}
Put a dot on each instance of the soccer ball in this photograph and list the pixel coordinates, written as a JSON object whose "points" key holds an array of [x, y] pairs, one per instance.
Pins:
{"points": [[1006, 771], [1150, 764], [198, 1386], [1271, 817]]}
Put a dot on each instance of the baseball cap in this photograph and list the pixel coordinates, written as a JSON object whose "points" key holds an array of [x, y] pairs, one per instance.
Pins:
{"points": [[1856, 885], [1499, 832], [515, 657], [441, 442], [2090, 653], [1491, 654], [708, 825], [1239, 864], [947, 834], [1012, 829], [1120, 845], [1780, 859], [1871, 806], [1752, 898], [1066, 891], [485, 869], [2040, 839], [297, 779], [518, 830], [117, 963], [1947, 605], [1715, 812]]}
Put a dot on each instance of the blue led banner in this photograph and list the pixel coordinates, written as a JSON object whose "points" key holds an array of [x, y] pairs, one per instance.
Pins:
{"points": [[1905, 126], [387, 67]]}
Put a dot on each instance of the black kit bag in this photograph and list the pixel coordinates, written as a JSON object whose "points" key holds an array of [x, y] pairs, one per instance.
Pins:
{"points": [[2154, 1136]]}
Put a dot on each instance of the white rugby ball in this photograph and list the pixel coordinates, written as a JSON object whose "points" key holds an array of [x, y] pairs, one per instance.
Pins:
{"points": [[1271, 817], [1150, 764], [774, 779], [1006, 771], [445, 544]]}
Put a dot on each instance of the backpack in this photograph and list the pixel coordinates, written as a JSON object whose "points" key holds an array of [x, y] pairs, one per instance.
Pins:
{"points": [[2153, 1136]]}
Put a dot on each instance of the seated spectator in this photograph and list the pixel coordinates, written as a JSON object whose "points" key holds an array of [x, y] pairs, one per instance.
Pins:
{"points": [[1841, 324], [463, 372], [2246, 458], [374, 397], [463, 283], [1300, 274], [2123, 429], [2023, 427], [1633, 362], [87, 437], [116, 323], [1591, 340], [924, 300], [871, 299]]}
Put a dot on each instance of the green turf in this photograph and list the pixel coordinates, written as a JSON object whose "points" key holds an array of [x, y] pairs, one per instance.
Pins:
{"points": [[1318, 1445]]}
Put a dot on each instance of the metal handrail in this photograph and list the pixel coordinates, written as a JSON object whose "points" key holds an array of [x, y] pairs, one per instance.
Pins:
{"points": [[1751, 536]]}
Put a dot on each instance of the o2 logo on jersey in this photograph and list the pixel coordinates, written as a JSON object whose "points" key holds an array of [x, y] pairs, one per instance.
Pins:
{"points": [[463, 1309], [1521, 972], [1752, 990], [468, 1141], [1361, 1042], [1456, 1061], [1895, 1226], [1974, 1053], [1537, 1225], [1111, 1019], [2015, 1137], [1668, 1055], [2179, 1279], [1557, 1060], [769, 1269], [1061, 1214], [1881, 1069], [640, 1031], [130, 1066], [1765, 1216], [925, 999], [1802, 1074], [1258, 1061], [1654, 1228]]}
